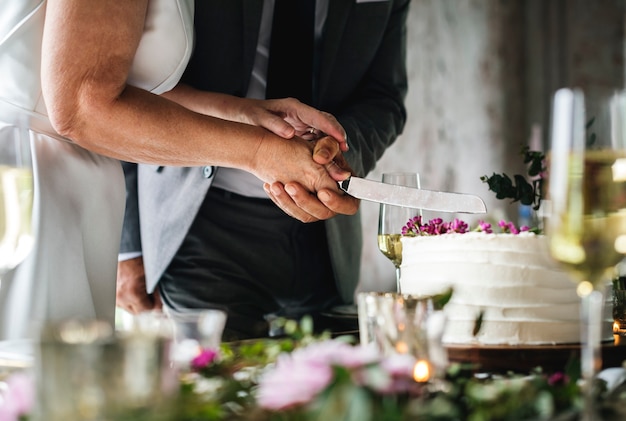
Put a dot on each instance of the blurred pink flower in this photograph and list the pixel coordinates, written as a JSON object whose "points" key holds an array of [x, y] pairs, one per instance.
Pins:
{"points": [[292, 382], [338, 353], [400, 368], [203, 359], [19, 397], [297, 378]]}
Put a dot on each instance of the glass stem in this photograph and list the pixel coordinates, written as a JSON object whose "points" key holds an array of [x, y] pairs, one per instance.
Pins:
{"points": [[398, 288], [591, 356]]}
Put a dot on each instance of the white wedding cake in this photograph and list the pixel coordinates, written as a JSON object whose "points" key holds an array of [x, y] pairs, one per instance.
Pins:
{"points": [[524, 297]]}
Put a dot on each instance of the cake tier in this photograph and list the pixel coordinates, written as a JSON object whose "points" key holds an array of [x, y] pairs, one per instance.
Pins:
{"points": [[524, 297]]}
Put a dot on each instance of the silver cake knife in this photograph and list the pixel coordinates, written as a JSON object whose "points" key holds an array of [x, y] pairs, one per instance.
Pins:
{"points": [[410, 197]]}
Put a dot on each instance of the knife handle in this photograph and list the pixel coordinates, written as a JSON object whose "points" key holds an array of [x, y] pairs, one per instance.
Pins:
{"points": [[343, 185]]}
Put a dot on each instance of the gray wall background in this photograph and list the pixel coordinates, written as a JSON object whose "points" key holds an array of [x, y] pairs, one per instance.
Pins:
{"points": [[481, 78]]}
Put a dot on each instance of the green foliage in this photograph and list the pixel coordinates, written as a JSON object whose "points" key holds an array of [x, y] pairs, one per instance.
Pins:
{"points": [[519, 189], [591, 136], [440, 300], [478, 323]]}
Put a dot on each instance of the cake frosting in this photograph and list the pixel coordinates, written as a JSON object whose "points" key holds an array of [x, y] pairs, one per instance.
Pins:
{"points": [[524, 297]]}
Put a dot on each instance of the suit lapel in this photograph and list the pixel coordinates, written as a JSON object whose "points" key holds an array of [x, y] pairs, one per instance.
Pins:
{"points": [[252, 11], [338, 11]]}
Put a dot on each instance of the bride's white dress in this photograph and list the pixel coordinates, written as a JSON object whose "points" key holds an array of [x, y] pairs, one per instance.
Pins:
{"points": [[79, 195]]}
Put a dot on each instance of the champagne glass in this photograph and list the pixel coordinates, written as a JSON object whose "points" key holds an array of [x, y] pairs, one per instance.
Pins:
{"points": [[587, 221], [16, 196], [392, 218]]}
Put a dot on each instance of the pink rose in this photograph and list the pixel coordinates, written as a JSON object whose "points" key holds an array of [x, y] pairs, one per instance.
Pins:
{"points": [[338, 353], [293, 382]]}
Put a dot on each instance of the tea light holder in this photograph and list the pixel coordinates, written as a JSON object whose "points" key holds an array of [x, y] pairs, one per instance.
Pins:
{"points": [[87, 371], [404, 324]]}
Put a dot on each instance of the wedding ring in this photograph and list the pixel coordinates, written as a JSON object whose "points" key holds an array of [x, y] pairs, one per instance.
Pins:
{"points": [[311, 130]]}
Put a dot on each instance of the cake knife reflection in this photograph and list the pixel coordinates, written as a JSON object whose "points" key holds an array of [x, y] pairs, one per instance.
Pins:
{"points": [[410, 197]]}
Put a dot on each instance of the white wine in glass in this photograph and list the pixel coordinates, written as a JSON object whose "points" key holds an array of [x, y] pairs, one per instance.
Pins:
{"points": [[587, 223], [392, 218], [16, 197]]}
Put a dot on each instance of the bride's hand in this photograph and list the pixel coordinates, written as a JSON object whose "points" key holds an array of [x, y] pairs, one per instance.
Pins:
{"points": [[326, 203], [285, 117]]}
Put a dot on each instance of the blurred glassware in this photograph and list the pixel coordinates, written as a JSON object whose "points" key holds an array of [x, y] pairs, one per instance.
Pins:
{"points": [[195, 330], [403, 324], [587, 223], [85, 371], [16, 196], [392, 218]]}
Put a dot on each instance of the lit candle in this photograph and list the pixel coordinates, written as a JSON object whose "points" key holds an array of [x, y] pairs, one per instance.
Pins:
{"points": [[402, 347], [421, 371], [615, 327]]}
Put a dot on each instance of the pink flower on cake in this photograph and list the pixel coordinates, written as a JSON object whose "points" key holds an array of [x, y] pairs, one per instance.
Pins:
{"points": [[437, 226], [484, 227], [509, 227]]}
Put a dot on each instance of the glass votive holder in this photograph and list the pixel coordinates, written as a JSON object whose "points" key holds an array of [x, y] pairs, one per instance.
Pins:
{"points": [[403, 324], [619, 311], [68, 370], [85, 371], [196, 330], [142, 359]]}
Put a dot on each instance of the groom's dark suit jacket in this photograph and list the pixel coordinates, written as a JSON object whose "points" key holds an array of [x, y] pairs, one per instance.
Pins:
{"points": [[361, 80]]}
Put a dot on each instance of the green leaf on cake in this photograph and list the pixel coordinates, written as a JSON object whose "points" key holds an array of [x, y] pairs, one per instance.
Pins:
{"points": [[478, 324], [440, 300]]}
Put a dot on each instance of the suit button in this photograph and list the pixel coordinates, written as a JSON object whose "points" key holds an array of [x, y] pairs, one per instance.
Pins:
{"points": [[208, 171]]}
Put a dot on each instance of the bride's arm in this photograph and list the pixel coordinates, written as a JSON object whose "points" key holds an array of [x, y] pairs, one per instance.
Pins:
{"points": [[88, 48], [286, 117]]}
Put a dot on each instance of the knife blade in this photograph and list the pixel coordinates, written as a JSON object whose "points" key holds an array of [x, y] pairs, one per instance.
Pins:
{"points": [[410, 197]]}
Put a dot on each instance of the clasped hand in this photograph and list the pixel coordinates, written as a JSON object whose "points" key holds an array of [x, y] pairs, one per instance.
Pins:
{"points": [[305, 189], [325, 202]]}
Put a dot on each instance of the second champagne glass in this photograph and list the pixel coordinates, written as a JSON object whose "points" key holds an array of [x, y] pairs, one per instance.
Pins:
{"points": [[392, 218], [16, 196], [587, 224]]}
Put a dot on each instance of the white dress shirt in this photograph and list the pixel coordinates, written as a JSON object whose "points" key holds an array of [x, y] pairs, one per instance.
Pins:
{"points": [[239, 181]]}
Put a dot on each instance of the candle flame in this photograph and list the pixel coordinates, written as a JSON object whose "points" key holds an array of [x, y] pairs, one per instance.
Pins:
{"points": [[616, 327], [402, 347], [421, 371]]}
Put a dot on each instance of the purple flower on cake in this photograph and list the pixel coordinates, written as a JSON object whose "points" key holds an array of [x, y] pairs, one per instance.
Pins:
{"points": [[437, 226], [484, 227], [458, 225], [509, 227]]}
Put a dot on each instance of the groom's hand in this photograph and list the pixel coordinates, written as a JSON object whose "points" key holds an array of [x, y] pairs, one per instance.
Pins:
{"points": [[301, 204], [131, 292]]}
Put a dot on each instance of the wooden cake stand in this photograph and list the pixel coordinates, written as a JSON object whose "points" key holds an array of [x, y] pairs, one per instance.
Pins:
{"points": [[503, 358]]}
